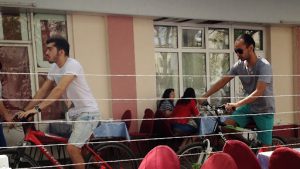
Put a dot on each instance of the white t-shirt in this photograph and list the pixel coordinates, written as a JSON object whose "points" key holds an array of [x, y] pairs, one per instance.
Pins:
{"points": [[78, 90]]}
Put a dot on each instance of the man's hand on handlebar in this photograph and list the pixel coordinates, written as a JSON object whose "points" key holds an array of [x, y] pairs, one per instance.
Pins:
{"points": [[203, 102], [26, 114], [230, 107]]}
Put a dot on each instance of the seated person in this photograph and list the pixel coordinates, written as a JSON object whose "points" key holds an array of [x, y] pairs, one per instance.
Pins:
{"points": [[185, 107], [166, 105]]}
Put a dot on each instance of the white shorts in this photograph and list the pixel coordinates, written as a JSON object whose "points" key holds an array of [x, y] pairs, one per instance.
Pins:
{"points": [[83, 126]]}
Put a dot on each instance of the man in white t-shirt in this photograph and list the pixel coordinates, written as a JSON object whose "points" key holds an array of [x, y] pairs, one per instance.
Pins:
{"points": [[68, 75]]}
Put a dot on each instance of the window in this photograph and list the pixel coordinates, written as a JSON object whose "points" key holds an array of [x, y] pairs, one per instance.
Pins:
{"points": [[17, 43], [197, 56]]}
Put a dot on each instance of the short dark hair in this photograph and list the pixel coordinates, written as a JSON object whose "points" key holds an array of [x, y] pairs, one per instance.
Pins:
{"points": [[60, 43], [248, 40]]}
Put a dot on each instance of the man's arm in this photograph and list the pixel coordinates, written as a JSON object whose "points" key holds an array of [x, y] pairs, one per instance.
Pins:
{"points": [[259, 91], [217, 86], [55, 94], [41, 93], [57, 91]]}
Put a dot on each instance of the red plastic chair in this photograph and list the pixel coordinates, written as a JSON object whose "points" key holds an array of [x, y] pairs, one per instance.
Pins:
{"points": [[126, 118], [218, 161], [147, 125], [146, 131], [242, 154], [160, 157], [283, 158]]}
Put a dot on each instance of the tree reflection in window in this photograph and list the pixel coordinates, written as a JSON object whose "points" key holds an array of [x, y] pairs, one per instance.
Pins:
{"points": [[16, 85], [14, 26], [218, 38], [219, 64], [165, 36], [166, 72], [194, 71]]}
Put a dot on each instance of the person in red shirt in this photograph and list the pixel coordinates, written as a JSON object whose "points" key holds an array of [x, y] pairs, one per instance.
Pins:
{"points": [[186, 106]]}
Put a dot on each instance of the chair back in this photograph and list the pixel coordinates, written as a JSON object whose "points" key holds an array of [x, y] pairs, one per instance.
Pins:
{"points": [[243, 156], [219, 160], [284, 157], [126, 118], [147, 124], [163, 126], [160, 157]]}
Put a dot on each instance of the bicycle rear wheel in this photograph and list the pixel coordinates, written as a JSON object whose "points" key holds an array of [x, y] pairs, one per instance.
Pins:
{"points": [[192, 155], [17, 159], [115, 155], [276, 140]]}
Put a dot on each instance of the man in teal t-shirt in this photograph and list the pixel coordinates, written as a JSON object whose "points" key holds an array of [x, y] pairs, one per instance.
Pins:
{"points": [[255, 74]]}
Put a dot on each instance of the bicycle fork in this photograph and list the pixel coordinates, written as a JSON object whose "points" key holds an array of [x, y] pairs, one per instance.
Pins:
{"points": [[204, 156]]}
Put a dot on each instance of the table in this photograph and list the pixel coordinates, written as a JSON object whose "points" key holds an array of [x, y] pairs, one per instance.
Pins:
{"points": [[264, 158], [112, 130]]}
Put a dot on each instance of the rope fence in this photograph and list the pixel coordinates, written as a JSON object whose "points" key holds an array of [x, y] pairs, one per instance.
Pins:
{"points": [[18, 124]]}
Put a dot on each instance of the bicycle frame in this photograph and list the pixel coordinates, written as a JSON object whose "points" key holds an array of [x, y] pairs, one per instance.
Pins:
{"points": [[219, 128], [40, 139]]}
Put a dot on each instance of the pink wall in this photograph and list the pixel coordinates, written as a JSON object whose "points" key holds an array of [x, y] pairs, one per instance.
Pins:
{"points": [[122, 62]]}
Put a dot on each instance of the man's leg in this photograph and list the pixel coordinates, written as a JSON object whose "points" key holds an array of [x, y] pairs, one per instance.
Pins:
{"points": [[76, 156], [82, 130], [238, 118], [265, 124]]}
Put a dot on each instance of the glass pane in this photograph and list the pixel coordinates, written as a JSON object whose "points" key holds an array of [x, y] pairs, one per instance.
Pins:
{"points": [[165, 36], [193, 38], [57, 109], [166, 72], [218, 38], [46, 26], [256, 34], [14, 26], [219, 64], [15, 86], [194, 71]]}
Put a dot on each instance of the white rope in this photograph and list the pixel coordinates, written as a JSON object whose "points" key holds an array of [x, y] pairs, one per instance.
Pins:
{"points": [[148, 75]]}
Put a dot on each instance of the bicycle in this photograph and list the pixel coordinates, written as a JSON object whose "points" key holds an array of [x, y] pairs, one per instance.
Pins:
{"points": [[194, 154], [106, 155]]}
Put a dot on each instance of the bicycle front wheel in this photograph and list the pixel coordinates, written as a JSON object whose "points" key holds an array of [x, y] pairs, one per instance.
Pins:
{"points": [[113, 155], [17, 159], [192, 155]]}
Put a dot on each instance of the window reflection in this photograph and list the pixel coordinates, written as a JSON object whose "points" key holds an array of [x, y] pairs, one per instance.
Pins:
{"points": [[165, 36], [14, 26], [192, 38], [16, 81], [219, 66], [166, 72], [218, 38], [194, 71]]}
